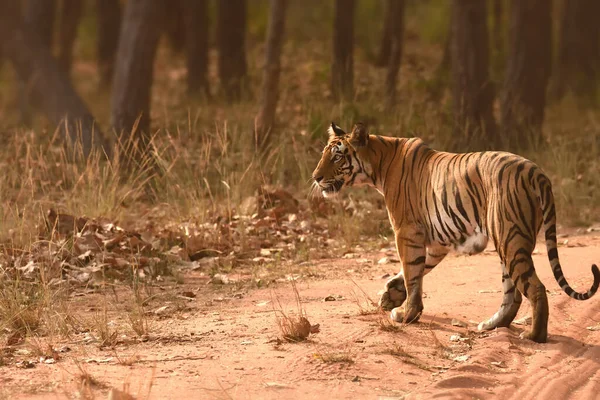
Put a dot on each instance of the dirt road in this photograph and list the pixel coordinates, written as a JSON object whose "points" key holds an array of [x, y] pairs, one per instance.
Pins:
{"points": [[223, 344]]}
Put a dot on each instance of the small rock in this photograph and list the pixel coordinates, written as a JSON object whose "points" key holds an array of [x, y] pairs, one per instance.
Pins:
{"points": [[593, 328], [523, 321], [330, 298], [456, 322], [385, 276], [162, 310], [462, 358], [25, 364], [276, 385], [499, 364], [116, 394], [219, 279], [64, 349]]}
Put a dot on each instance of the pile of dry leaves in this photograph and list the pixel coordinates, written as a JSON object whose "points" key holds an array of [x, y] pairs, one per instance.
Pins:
{"points": [[268, 227]]}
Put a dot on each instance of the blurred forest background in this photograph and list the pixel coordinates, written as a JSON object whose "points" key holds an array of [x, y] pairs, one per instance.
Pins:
{"points": [[184, 108]]}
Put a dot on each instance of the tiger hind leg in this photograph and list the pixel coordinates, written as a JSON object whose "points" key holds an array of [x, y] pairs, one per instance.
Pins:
{"points": [[511, 302], [521, 271]]}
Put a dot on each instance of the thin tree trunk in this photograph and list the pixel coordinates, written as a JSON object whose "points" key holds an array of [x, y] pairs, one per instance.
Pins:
{"points": [[39, 15], [196, 40], [497, 36], [578, 66], [109, 25], [231, 41], [396, 10], [473, 92], [528, 70], [49, 83], [70, 16], [132, 86], [265, 119], [175, 25], [385, 47], [342, 69]]}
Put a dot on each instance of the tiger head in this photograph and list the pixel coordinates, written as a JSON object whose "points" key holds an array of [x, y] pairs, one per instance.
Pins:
{"points": [[341, 164]]}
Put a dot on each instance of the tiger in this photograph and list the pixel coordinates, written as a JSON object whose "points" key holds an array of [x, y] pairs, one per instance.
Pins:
{"points": [[438, 202]]}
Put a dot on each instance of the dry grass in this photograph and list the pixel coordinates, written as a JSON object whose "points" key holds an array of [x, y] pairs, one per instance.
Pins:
{"points": [[365, 303], [292, 327], [338, 354], [386, 324], [398, 351]]}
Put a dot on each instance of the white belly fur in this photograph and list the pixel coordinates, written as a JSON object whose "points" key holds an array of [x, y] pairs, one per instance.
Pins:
{"points": [[474, 244]]}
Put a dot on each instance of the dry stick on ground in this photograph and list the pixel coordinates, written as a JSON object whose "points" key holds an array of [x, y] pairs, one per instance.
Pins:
{"points": [[265, 120], [48, 82]]}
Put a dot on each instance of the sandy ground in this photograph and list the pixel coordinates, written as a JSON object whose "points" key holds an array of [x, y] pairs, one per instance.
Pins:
{"points": [[223, 344]]}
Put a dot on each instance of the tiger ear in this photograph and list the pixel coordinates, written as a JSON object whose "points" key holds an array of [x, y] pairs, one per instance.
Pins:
{"points": [[335, 131], [359, 136]]}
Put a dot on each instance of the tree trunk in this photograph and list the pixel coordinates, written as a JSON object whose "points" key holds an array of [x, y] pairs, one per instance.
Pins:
{"points": [[472, 90], [385, 48], [195, 14], [132, 86], [342, 69], [396, 10], [270, 90], [578, 67], [40, 14], [175, 25], [527, 73], [231, 41], [109, 25], [69, 22], [497, 35], [49, 83]]}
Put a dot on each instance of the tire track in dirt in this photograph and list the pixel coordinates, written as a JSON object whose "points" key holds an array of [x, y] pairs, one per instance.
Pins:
{"points": [[567, 367], [573, 370]]}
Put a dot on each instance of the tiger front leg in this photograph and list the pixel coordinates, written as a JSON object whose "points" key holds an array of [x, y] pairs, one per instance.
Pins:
{"points": [[394, 294], [413, 268]]}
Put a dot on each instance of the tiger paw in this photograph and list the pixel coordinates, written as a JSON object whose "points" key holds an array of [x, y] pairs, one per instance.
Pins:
{"points": [[397, 314], [536, 337], [412, 315], [393, 296]]}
